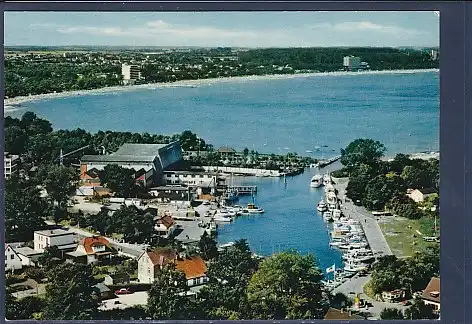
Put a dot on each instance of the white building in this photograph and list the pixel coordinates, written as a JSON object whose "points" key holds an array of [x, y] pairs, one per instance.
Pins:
{"points": [[191, 179], [64, 240], [12, 259], [351, 63], [131, 74], [92, 250], [9, 164]]}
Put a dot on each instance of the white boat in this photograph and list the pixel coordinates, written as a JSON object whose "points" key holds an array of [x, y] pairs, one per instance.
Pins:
{"points": [[327, 216], [253, 209], [358, 259], [316, 181], [225, 213], [224, 219], [337, 214], [322, 206], [326, 179], [330, 188], [355, 267]]}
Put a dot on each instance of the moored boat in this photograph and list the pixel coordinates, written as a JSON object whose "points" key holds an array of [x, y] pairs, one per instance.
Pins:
{"points": [[316, 181], [321, 207]]}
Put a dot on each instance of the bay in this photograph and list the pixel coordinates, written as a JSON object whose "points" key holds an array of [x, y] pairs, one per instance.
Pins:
{"points": [[272, 116]]}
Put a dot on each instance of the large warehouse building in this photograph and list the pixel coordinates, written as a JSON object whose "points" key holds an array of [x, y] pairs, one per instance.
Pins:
{"points": [[151, 160]]}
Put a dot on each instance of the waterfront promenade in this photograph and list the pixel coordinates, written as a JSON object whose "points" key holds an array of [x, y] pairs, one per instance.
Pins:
{"points": [[372, 230]]}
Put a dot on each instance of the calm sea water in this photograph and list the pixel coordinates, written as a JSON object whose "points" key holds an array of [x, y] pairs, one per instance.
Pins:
{"points": [[299, 114]]}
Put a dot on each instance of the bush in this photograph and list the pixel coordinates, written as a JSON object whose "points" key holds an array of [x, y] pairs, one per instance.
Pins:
{"points": [[13, 279], [35, 273], [342, 173]]}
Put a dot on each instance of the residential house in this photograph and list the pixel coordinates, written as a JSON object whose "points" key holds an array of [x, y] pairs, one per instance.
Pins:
{"points": [[12, 259], [341, 314], [226, 152], [150, 262], [431, 294], [195, 270], [63, 239], [420, 195], [117, 279], [92, 250], [28, 256], [165, 226]]}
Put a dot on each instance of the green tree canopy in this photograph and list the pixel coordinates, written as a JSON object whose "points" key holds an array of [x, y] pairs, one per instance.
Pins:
{"points": [[225, 294], [167, 299], [207, 247], [391, 314], [24, 209], [362, 151], [419, 310], [119, 180], [69, 293], [287, 286]]}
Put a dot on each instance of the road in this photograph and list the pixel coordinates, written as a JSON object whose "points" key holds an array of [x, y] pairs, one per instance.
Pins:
{"points": [[371, 227]]}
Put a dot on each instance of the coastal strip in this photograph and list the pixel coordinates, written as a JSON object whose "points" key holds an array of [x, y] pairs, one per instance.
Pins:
{"points": [[12, 104], [372, 230]]}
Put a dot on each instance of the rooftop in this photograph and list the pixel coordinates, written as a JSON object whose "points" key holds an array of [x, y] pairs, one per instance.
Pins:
{"points": [[337, 314], [193, 267], [27, 251], [54, 232], [140, 149], [118, 158], [432, 290], [89, 242]]}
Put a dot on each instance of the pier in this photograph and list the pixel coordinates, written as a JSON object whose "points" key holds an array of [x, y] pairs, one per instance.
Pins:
{"points": [[329, 161], [244, 190]]}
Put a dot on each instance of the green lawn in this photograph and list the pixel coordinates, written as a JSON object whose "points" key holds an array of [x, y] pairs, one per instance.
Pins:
{"points": [[402, 234]]}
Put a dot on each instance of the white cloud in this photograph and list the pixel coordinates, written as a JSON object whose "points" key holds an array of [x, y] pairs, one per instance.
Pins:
{"points": [[160, 28], [367, 26]]}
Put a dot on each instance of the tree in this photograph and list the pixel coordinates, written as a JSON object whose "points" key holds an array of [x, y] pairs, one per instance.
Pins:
{"points": [[167, 299], [48, 258], [356, 187], [399, 162], [24, 209], [15, 140], [60, 183], [228, 275], [12, 306], [362, 151], [69, 293], [419, 310], [340, 300], [381, 189], [391, 314], [287, 286], [119, 180], [207, 246]]}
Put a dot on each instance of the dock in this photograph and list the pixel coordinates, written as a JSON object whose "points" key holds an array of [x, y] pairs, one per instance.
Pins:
{"points": [[329, 161], [244, 190]]}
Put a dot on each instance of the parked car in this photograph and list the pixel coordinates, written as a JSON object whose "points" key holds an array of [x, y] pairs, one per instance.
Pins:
{"points": [[123, 291]]}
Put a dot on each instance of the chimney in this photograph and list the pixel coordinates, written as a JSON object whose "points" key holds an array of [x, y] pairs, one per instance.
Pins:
{"points": [[349, 313], [342, 310], [161, 260]]}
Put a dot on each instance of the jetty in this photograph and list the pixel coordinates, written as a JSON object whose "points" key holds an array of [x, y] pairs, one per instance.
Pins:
{"points": [[244, 190], [329, 161]]}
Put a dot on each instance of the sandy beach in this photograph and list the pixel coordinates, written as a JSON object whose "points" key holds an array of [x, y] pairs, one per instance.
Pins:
{"points": [[15, 103]]}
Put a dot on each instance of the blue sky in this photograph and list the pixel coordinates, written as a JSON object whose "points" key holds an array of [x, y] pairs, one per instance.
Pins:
{"points": [[243, 29]]}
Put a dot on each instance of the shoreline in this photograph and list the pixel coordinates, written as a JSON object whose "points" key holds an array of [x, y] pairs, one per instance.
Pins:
{"points": [[12, 104]]}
